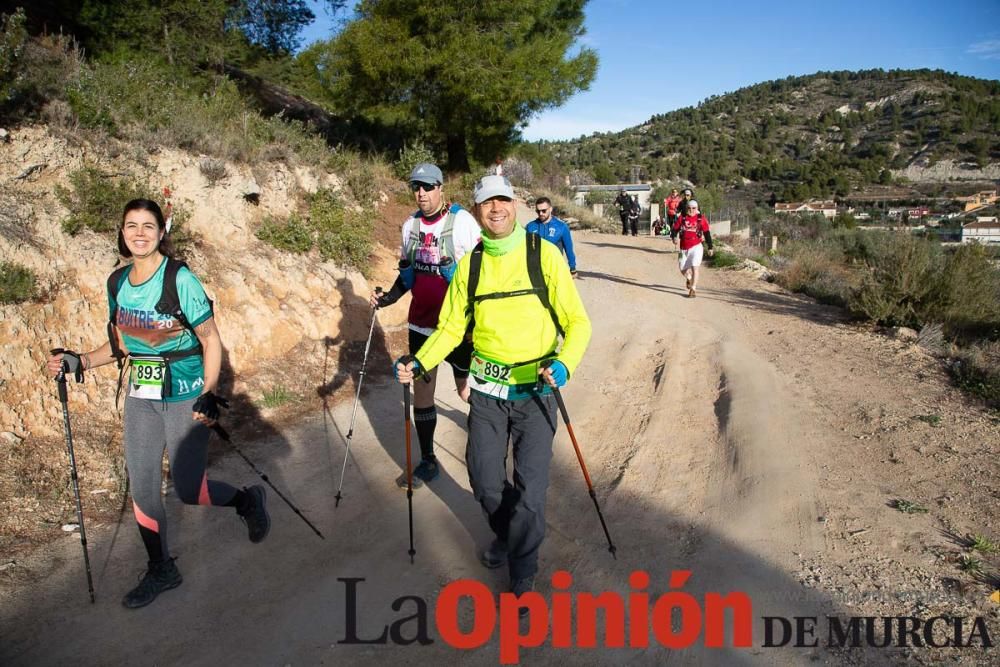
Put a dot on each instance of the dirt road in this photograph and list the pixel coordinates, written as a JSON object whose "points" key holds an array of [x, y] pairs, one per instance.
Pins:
{"points": [[749, 436]]}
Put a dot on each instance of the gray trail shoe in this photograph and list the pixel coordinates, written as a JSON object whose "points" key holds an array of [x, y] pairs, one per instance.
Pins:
{"points": [[161, 576], [519, 587], [495, 556], [426, 471]]}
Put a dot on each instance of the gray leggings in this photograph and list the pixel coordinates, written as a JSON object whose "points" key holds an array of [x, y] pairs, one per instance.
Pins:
{"points": [[150, 427]]}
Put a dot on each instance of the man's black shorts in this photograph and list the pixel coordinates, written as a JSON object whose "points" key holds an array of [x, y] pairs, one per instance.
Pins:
{"points": [[459, 358]]}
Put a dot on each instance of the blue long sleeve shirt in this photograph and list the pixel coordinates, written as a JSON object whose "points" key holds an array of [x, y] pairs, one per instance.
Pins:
{"points": [[557, 232]]}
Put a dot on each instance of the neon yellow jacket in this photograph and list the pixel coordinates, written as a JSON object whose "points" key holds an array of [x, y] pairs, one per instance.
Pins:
{"points": [[514, 329]]}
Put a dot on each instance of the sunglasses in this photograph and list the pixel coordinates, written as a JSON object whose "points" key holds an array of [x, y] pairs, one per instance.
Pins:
{"points": [[542, 210], [417, 186]]}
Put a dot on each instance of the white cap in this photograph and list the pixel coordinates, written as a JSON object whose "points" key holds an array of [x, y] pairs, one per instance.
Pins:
{"points": [[692, 203], [492, 186]]}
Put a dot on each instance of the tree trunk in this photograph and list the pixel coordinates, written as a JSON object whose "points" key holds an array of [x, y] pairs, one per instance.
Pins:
{"points": [[166, 45], [458, 154]]}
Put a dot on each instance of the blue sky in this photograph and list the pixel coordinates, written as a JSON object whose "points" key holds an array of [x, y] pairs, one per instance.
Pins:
{"points": [[658, 56]]}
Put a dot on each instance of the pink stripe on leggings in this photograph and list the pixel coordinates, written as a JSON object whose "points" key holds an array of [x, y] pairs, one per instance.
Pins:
{"points": [[203, 497], [145, 520]]}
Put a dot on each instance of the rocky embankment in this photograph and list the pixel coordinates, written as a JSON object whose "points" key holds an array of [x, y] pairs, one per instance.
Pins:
{"points": [[267, 302]]}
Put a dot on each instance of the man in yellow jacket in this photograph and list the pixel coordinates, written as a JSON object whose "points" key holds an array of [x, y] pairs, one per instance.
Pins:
{"points": [[523, 300]]}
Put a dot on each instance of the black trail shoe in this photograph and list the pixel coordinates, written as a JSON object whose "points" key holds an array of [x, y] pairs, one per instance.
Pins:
{"points": [[255, 515], [161, 576]]}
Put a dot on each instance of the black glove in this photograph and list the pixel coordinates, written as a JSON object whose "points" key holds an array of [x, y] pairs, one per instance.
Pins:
{"points": [[71, 363], [400, 287], [208, 404]]}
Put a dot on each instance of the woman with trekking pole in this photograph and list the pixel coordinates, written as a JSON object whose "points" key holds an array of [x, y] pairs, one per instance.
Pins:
{"points": [[162, 334]]}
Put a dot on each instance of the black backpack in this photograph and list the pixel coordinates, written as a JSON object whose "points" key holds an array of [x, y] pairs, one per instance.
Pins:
{"points": [[169, 304], [538, 286]]}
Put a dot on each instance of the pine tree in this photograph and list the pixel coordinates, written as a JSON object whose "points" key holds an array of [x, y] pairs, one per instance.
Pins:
{"points": [[457, 74]]}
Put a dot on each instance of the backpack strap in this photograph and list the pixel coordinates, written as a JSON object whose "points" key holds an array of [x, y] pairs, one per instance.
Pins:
{"points": [[447, 234], [115, 281], [535, 276], [538, 279], [170, 302], [475, 265]]}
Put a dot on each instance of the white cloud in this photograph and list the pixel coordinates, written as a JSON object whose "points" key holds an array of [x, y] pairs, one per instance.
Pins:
{"points": [[987, 50]]}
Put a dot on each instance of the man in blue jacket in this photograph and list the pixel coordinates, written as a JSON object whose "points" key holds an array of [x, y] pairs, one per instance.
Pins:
{"points": [[552, 229]]}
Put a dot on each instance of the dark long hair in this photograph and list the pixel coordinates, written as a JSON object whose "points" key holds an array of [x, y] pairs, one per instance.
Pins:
{"points": [[165, 247]]}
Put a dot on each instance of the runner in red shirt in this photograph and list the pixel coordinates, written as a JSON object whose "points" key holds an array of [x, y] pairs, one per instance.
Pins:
{"points": [[691, 228], [670, 205]]}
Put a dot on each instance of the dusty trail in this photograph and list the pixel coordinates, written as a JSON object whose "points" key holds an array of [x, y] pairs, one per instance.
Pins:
{"points": [[709, 443]]}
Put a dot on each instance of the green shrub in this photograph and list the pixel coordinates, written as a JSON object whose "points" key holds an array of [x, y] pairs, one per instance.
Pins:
{"points": [[817, 272], [606, 197], [565, 208], [291, 235], [459, 191], [722, 259], [95, 200], [361, 174], [13, 39], [976, 369], [339, 234], [213, 169], [343, 235], [970, 298], [200, 114], [902, 285], [276, 397], [17, 283], [410, 155]]}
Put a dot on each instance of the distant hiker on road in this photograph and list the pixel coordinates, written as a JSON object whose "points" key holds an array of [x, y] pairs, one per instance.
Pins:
{"points": [[691, 228], [670, 205], [435, 237], [514, 330], [624, 204], [659, 227], [633, 215], [553, 230], [163, 327]]}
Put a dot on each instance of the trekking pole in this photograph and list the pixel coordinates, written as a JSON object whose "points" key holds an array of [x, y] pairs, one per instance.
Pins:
{"points": [[64, 399], [583, 466], [225, 436], [409, 469], [357, 398]]}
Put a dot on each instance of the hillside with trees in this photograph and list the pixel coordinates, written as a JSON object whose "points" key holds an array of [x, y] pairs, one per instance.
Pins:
{"points": [[377, 83], [821, 135]]}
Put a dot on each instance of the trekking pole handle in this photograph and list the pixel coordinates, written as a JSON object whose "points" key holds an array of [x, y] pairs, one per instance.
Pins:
{"points": [[66, 367], [555, 390], [61, 375]]}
